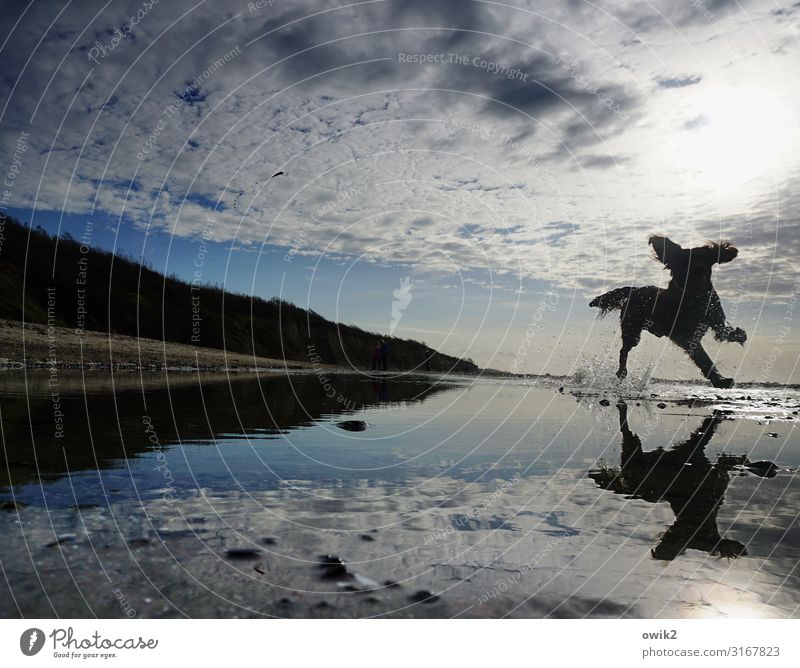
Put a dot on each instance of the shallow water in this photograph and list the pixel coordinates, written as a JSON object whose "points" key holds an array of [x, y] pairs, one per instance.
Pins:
{"points": [[216, 496]]}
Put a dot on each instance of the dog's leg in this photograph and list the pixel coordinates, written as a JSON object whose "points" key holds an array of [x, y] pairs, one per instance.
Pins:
{"points": [[715, 317], [631, 335], [700, 357]]}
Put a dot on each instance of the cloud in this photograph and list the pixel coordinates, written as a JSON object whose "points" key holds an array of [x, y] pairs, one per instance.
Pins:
{"points": [[679, 82], [496, 129]]}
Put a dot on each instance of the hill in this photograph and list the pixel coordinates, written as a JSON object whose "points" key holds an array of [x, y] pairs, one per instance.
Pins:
{"points": [[59, 282]]}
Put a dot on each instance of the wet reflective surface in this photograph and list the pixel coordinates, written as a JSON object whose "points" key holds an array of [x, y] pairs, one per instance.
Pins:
{"points": [[341, 496]]}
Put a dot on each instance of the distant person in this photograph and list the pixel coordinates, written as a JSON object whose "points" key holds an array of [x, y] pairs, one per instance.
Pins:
{"points": [[384, 348], [376, 356]]}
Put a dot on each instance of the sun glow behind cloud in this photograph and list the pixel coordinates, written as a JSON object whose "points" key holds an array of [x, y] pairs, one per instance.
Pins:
{"points": [[737, 135]]}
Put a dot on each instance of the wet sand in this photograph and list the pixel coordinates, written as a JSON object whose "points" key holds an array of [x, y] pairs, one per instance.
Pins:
{"points": [[459, 499]]}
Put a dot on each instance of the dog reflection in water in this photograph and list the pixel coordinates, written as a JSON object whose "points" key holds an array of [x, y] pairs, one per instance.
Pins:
{"points": [[685, 478]]}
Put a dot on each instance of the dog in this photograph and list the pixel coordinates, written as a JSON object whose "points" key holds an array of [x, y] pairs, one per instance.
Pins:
{"points": [[683, 311]]}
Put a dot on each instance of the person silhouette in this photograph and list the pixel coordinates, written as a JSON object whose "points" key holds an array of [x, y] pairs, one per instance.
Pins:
{"points": [[384, 355], [683, 477]]}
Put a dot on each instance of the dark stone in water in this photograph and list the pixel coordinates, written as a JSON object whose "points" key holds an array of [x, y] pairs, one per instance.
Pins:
{"points": [[561, 389], [12, 505], [763, 468], [333, 568], [352, 425], [64, 538], [772, 434], [605, 402], [662, 405], [139, 542], [242, 553], [367, 537], [391, 584], [286, 602], [269, 540], [423, 596]]}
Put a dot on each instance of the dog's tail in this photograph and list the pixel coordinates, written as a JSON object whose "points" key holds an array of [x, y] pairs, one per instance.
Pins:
{"points": [[616, 299]]}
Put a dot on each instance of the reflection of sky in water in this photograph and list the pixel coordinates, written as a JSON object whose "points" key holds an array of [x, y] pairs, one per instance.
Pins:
{"points": [[478, 432], [457, 493]]}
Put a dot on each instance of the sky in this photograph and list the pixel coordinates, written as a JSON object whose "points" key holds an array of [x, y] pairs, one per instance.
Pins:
{"points": [[467, 173]]}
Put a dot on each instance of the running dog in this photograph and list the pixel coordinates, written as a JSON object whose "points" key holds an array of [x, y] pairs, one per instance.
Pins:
{"points": [[683, 311]]}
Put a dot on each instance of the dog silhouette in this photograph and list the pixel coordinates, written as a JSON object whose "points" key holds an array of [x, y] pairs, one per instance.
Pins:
{"points": [[683, 311]]}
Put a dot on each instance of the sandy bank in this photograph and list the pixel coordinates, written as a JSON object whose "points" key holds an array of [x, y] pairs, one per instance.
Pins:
{"points": [[32, 345]]}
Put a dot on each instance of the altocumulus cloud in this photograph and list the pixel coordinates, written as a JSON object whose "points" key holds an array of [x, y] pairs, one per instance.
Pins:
{"points": [[318, 90]]}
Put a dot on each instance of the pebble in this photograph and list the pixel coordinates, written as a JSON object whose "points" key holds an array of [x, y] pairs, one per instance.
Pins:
{"points": [[367, 537], [12, 505], [662, 405], [763, 468], [269, 540], [605, 402], [63, 538], [242, 553], [423, 596], [333, 568], [352, 425]]}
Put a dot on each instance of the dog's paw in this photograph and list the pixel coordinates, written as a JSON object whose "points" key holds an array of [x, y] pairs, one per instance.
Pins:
{"points": [[722, 382], [738, 335]]}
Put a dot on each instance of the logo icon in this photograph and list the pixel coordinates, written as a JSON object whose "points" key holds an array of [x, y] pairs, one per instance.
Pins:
{"points": [[31, 641], [402, 298]]}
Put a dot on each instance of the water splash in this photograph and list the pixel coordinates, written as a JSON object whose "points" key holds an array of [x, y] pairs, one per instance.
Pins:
{"points": [[599, 373]]}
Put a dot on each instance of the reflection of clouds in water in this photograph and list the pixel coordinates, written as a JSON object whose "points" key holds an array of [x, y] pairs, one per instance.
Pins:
{"points": [[476, 495], [598, 564]]}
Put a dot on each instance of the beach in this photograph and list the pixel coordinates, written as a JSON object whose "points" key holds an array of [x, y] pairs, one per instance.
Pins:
{"points": [[246, 496]]}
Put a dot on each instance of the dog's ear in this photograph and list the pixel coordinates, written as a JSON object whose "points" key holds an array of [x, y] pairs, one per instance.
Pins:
{"points": [[723, 252], [666, 250]]}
